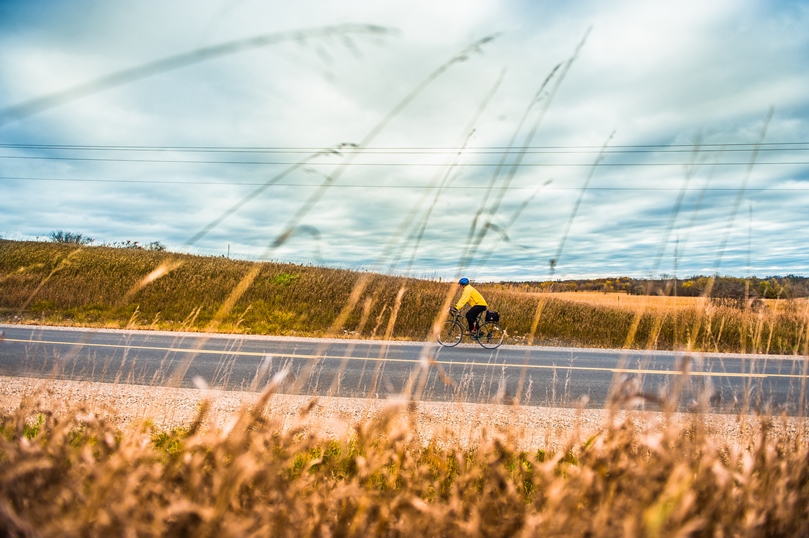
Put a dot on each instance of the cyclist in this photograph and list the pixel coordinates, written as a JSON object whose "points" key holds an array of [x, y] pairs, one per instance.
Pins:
{"points": [[473, 297]]}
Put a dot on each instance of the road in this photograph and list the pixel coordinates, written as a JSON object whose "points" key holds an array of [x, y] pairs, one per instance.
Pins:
{"points": [[354, 368]]}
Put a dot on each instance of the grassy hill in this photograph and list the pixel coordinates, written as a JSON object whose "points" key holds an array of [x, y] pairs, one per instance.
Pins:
{"points": [[62, 284]]}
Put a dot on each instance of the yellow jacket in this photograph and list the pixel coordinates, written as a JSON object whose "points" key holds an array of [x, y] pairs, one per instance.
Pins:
{"points": [[471, 296]]}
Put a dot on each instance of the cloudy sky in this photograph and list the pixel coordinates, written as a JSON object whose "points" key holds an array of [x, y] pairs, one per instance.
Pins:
{"points": [[501, 140]]}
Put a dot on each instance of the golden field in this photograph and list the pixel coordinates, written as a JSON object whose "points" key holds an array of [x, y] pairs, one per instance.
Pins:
{"points": [[649, 302]]}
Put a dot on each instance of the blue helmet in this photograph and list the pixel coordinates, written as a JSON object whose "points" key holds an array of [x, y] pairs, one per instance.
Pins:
{"points": [[464, 281]]}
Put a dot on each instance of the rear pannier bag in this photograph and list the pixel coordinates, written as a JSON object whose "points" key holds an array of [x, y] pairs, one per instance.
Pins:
{"points": [[491, 315]]}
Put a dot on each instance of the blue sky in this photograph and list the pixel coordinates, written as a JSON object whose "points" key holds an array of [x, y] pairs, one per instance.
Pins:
{"points": [[672, 138]]}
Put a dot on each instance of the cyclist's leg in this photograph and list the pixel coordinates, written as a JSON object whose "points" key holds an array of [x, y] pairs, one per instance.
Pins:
{"points": [[472, 315]]}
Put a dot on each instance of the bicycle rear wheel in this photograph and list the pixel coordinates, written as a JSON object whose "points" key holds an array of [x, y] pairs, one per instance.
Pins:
{"points": [[491, 335], [450, 335]]}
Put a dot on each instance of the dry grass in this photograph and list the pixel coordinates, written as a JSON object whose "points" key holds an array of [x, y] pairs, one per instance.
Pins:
{"points": [[77, 474], [559, 319], [656, 303], [630, 302], [104, 287]]}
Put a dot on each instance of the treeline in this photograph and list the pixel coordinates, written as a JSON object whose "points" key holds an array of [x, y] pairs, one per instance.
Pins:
{"points": [[722, 287]]}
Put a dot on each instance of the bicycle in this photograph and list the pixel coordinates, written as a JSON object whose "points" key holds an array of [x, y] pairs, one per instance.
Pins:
{"points": [[488, 334]]}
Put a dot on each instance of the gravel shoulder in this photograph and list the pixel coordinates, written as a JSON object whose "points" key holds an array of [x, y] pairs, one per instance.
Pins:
{"points": [[531, 428]]}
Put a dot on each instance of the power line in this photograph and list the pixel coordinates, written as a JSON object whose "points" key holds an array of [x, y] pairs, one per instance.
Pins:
{"points": [[312, 163], [638, 148], [408, 186]]}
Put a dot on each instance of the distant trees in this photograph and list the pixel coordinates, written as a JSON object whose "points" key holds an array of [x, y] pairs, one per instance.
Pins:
{"points": [[772, 289], [135, 245], [61, 236], [726, 287]]}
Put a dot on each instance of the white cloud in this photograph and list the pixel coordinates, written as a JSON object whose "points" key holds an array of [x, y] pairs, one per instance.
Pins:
{"points": [[654, 73]]}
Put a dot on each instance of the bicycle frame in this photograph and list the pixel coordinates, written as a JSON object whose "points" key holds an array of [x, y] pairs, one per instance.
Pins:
{"points": [[488, 334]]}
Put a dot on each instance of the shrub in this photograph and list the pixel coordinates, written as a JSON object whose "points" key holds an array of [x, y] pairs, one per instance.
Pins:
{"points": [[60, 236]]}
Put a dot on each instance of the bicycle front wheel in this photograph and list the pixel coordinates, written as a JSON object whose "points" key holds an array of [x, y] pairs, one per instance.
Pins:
{"points": [[491, 335], [450, 335]]}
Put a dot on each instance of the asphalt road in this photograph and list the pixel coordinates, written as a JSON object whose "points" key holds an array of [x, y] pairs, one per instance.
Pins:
{"points": [[536, 375]]}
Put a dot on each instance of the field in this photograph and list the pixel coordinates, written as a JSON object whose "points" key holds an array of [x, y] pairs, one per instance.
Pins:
{"points": [[629, 302], [655, 303]]}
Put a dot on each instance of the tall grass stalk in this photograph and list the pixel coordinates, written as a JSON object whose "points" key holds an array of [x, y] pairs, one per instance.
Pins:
{"points": [[126, 76]]}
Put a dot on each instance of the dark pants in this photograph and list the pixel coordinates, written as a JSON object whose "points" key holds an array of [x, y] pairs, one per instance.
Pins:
{"points": [[472, 315]]}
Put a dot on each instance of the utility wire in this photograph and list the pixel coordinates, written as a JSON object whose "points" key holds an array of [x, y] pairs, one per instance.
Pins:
{"points": [[408, 186], [288, 163], [675, 148]]}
